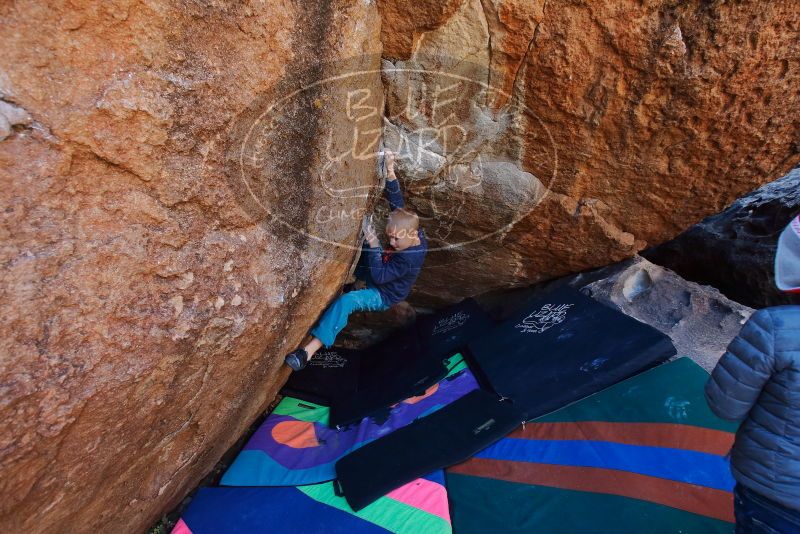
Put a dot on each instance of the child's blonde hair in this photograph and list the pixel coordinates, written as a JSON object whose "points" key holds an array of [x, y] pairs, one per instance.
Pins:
{"points": [[403, 219]]}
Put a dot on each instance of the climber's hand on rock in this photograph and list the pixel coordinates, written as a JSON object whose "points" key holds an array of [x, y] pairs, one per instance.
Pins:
{"points": [[390, 157], [369, 232]]}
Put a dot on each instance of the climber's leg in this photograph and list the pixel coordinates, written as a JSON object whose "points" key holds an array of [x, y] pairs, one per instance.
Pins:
{"points": [[333, 321], [335, 317]]}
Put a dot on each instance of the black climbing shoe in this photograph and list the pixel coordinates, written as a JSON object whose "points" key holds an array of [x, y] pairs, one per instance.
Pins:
{"points": [[297, 359]]}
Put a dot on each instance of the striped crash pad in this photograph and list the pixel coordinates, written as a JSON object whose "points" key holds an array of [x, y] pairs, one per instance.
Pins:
{"points": [[646, 455], [295, 445], [419, 506]]}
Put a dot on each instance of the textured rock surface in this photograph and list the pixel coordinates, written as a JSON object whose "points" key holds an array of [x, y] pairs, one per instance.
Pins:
{"points": [[699, 320], [606, 128], [734, 251], [368, 328], [146, 307], [166, 234]]}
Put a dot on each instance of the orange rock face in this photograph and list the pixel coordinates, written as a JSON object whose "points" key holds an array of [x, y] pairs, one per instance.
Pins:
{"points": [[182, 189], [151, 282], [586, 130], [404, 22]]}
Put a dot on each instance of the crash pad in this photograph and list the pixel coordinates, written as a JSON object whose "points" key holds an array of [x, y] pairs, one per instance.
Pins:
{"points": [[332, 373], [295, 445], [449, 435], [420, 506], [563, 346], [336, 372], [390, 371], [646, 455], [557, 349], [447, 331], [414, 378], [359, 383], [382, 361]]}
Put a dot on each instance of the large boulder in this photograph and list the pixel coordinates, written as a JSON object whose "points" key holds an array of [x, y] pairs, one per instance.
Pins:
{"points": [[160, 245], [543, 138], [734, 251], [182, 190]]}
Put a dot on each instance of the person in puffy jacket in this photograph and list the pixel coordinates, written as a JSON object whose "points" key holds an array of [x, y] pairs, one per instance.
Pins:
{"points": [[757, 382]]}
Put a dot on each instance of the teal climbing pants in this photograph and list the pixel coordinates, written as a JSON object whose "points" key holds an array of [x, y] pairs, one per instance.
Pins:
{"points": [[335, 317]]}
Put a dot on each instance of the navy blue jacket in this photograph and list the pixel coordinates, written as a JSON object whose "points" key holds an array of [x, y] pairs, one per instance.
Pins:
{"points": [[395, 277], [757, 381]]}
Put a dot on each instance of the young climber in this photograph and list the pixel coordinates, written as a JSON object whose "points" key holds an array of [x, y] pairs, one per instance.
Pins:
{"points": [[389, 274], [757, 382]]}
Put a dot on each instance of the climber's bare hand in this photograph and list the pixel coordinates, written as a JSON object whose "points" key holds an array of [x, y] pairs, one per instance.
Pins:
{"points": [[369, 232], [390, 157]]}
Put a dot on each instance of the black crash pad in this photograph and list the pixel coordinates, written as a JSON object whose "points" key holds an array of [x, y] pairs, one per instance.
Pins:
{"points": [[385, 359], [447, 436], [408, 380], [359, 383], [331, 374], [446, 332], [389, 372], [561, 347], [339, 373]]}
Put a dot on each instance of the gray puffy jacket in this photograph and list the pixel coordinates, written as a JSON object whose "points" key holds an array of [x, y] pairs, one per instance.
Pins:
{"points": [[757, 381]]}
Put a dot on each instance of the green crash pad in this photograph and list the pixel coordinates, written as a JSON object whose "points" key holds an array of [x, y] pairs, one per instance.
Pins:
{"points": [[645, 455]]}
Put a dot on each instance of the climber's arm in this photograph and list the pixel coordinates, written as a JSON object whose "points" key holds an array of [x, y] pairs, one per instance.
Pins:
{"points": [[393, 193]]}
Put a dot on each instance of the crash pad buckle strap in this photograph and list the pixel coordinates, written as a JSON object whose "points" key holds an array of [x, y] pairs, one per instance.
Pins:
{"points": [[337, 488]]}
